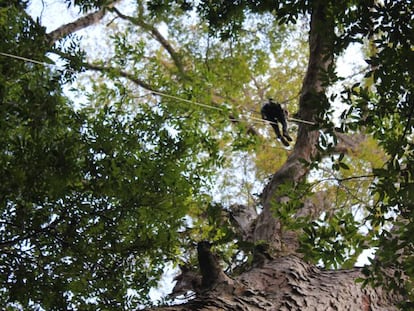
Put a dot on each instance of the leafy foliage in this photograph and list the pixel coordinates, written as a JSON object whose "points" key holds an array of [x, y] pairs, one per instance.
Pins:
{"points": [[384, 107], [92, 201]]}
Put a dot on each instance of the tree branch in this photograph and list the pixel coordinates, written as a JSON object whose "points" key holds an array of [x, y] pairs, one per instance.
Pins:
{"points": [[348, 143], [158, 36], [79, 24], [121, 73], [209, 266]]}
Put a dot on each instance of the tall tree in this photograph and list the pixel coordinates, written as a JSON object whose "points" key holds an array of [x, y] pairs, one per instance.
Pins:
{"points": [[281, 279], [96, 200]]}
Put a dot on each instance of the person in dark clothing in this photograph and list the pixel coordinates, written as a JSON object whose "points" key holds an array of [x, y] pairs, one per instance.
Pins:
{"points": [[274, 113]]}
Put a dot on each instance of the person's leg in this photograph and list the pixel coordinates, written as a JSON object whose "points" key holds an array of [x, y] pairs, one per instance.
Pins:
{"points": [[285, 131], [279, 135]]}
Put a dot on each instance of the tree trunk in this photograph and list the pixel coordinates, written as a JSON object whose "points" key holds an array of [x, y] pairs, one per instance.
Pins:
{"points": [[282, 280], [287, 283], [311, 104]]}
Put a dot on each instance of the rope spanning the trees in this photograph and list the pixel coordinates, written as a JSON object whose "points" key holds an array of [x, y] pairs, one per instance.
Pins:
{"points": [[186, 100], [252, 118], [26, 59]]}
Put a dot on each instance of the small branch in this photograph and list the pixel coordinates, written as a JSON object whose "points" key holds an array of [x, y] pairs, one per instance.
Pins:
{"points": [[341, 180], [348, 143], [158, 36], [121, 73]]}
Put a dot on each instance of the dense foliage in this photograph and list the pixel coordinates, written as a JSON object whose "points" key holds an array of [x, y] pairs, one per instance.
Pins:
{"points": [[92, 201], [384, 106]]}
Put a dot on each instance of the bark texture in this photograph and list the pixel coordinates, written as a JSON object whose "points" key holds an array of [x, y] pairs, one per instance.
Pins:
{"points": [[288, 283]]}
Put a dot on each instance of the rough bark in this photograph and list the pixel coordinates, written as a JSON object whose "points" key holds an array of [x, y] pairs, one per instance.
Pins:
{"points": [[288, 283]]}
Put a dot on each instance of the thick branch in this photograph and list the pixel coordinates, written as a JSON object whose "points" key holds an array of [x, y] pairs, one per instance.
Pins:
{"points": [[210, 269], [81, 23]]}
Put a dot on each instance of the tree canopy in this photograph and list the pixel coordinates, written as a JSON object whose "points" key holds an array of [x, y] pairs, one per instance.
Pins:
{"points": [[147, 150]]}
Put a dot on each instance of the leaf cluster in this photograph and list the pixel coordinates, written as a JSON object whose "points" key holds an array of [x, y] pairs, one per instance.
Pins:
{"points": [[335, 241]]}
